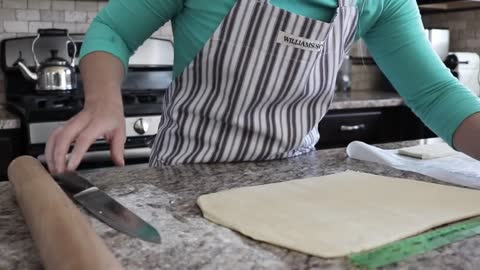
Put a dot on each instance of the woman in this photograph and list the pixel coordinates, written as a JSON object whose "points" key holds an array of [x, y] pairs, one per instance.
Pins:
{"points": [[254, 77]]}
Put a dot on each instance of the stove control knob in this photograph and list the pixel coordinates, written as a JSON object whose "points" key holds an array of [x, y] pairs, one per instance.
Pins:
{"points": [[141, 126]]}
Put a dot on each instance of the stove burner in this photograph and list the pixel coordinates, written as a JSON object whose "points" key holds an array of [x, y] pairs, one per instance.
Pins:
{"points": [[134, 98], [128, 99], [53, 102], [75, 101], [42, 107]]}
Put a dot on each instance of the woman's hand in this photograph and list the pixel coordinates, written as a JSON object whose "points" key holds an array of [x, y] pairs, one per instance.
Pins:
{"points": [[101, 117], [97, 120]]}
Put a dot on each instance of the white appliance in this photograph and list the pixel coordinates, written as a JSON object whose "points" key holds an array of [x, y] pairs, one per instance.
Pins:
{"points": [[469, 70], [440, 40]]}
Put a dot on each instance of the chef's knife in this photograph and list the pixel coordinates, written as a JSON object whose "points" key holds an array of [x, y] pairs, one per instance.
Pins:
{"points": [[106, 208]]}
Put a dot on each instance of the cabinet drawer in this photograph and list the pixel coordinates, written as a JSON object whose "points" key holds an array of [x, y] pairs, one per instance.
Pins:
{"points": [[338, 129]]}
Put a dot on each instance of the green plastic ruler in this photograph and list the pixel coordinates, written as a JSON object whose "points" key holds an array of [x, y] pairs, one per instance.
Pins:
{"points": [[415, 245]]}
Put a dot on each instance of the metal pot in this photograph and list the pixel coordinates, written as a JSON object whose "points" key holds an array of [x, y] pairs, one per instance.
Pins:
{"points": [[55, 73]]}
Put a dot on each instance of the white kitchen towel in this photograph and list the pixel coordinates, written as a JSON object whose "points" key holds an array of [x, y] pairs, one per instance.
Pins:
{"points": [[457, 169]]}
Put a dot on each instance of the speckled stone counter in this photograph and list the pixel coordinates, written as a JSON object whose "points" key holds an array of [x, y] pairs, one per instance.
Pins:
{"points": [[365, 99], [8, 120], [166, 197]]}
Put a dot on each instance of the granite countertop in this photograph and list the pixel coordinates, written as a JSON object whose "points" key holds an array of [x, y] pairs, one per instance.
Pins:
{"points": [[166, 197], [8, 120], [365, 99]]}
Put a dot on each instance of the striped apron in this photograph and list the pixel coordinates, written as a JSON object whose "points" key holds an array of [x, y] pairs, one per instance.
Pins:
{"points": [[258, 89]]}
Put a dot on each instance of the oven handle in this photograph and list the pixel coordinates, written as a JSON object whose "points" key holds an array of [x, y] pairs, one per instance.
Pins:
{"points": [[97, 156]]}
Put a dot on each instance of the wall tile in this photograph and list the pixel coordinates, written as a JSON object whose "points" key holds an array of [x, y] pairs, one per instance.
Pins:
{"points": [[457, 25], [69, 26], [86, 5], [15, 27], [24, 17], [39, 4], [75, 16], [34, 26], [52, 15], [473, 43], [7, 14], [28, 14], [63, 5], [81, 27], [464, 31], [14, 3], [469, 15]]}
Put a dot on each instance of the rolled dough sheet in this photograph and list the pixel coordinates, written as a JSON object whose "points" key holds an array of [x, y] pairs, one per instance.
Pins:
{"points": [[336, 215], [428, 151]]}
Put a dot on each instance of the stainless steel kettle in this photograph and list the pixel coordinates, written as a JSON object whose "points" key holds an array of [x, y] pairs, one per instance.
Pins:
{"points": [[55, 73]]}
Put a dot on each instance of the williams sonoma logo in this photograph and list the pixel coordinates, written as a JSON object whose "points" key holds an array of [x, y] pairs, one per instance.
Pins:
{"points": [[299, 42]]}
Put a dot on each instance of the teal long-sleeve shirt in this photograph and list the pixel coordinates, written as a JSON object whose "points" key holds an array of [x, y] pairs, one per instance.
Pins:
{"points": [[392, 30]]}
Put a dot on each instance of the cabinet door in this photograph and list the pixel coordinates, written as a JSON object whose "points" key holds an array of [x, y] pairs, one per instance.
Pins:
{"points": [[11, 146], [6, 156]]}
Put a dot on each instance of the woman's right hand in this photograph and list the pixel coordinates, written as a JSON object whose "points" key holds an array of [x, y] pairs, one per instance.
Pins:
{"points": [[98, 119], [101, 117]]}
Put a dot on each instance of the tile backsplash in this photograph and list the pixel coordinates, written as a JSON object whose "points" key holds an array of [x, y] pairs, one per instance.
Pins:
{"points": [[464, 37], [23, 17], [463, 25]]}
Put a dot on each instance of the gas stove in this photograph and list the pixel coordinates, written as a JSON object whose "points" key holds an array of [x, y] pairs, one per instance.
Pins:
{"points": [[149, 75], [62, 106]]}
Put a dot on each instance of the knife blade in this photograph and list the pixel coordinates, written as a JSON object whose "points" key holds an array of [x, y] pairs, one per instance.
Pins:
{"points": [[105, 208]]}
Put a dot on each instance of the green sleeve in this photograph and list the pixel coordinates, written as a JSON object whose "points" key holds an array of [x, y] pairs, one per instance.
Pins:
{"points": [[123, 25], [399, 46]]}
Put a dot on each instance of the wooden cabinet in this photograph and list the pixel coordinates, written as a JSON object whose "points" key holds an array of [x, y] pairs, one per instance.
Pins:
{"points": [[378, 125]]}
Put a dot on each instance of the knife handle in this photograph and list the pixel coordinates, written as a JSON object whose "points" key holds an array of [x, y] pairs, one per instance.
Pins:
{"points": [[72, 182]]}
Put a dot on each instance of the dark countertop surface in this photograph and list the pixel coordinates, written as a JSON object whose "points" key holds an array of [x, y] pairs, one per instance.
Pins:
{"points": [[8, 120], [365, 99], [166, 198]]}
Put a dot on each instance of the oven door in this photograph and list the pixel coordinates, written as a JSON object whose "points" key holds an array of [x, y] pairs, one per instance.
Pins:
{"points": [[140, 132]]}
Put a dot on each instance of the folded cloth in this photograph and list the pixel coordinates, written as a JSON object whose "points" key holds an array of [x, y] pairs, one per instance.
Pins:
{"points": [[428, 151], [457, 169]]}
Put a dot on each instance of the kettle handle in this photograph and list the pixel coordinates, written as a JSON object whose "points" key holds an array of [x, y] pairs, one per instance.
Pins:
{"points": [[53, 32]]}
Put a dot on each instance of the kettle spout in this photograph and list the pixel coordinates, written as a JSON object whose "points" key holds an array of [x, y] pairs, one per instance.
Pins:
{"points": [[25, 71]]}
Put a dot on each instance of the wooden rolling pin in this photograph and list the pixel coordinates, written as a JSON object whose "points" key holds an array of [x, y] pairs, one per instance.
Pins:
{"points": [[61, 233]]}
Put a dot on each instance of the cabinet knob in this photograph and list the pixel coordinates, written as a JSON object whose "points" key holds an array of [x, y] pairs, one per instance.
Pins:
{"points": [[141, 126]]}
